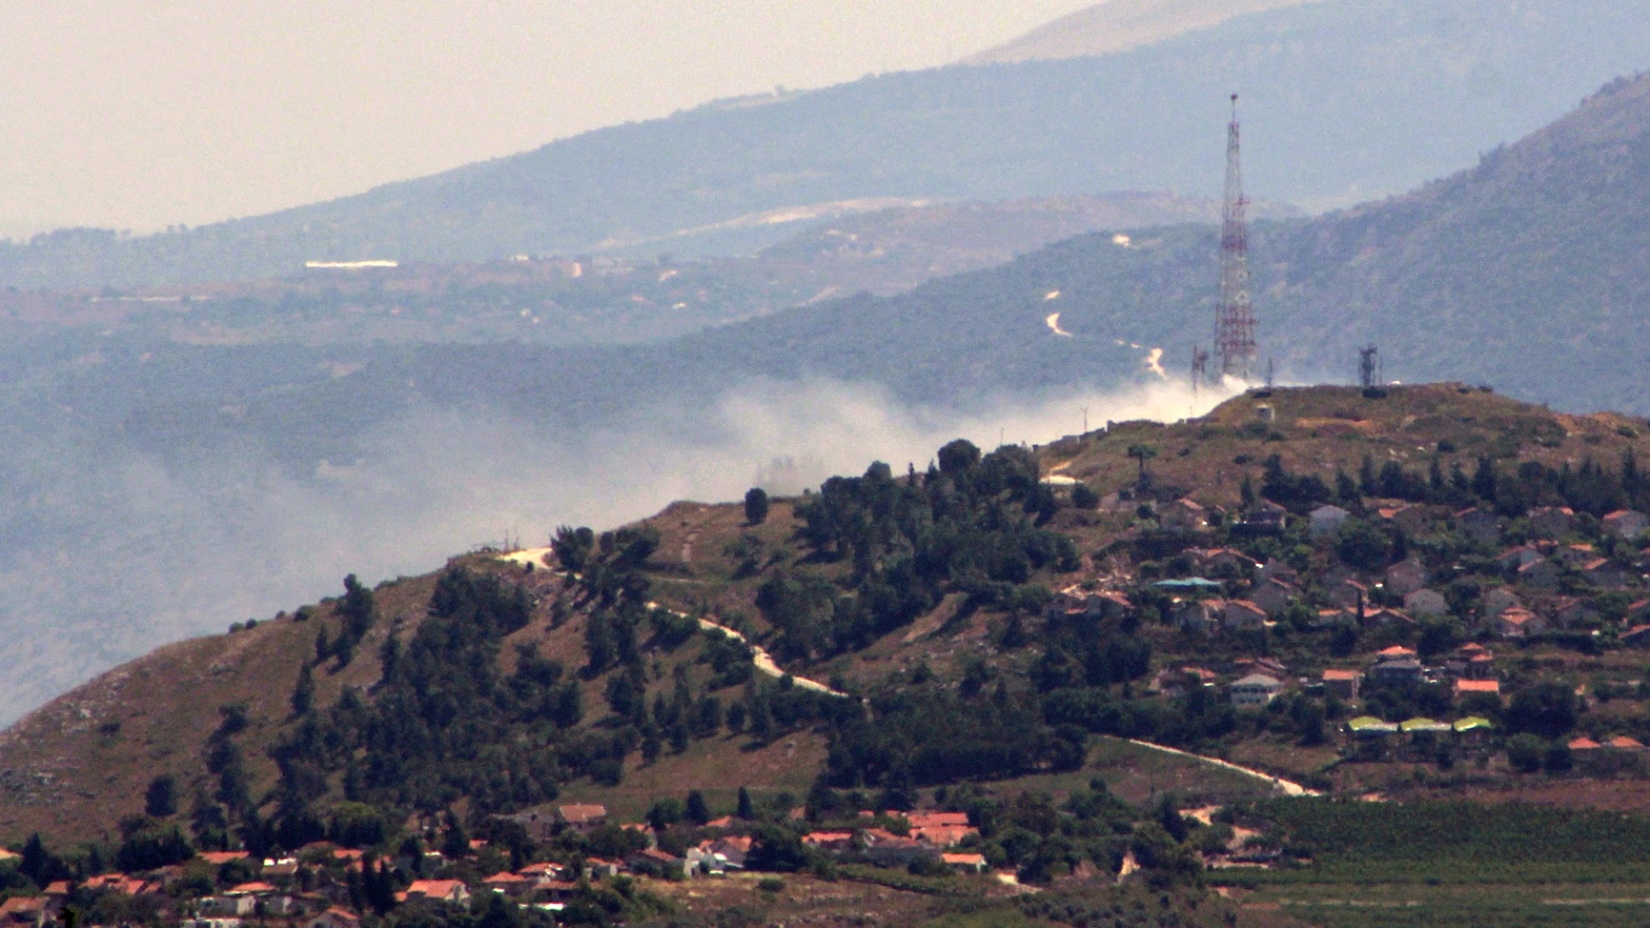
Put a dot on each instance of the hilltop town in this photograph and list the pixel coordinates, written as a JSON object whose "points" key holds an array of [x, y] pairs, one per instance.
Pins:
{"points": [[1229, 654]]}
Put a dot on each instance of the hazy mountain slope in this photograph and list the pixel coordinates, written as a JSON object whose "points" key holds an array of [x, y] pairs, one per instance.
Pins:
{"points": [[1528, 272], [1344, 100], [212, 457], [1116, 25]]}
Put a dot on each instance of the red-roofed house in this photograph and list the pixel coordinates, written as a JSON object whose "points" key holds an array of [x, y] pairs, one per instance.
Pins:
{"points": [[1183, 515], [439, 890], [1605, 573], [1626, 523], [1273, 595], [968, 863], [1240, 613], [31, 911], [1348, 594], [1405, 577], [219, 858], [943, 835], [1341, 683], [582, 817], [1552, 521], [1519, 623], [510, 883], [335, 918], [933, 819], [663, 861], [1464, 687], [1541, 574], [829, 840]]}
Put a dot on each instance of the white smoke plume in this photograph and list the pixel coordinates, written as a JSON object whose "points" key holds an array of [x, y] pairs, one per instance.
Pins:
{"points": [[142, 554]]}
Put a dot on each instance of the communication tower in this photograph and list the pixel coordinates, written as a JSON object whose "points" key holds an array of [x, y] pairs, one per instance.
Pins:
{"points": [[1200, 367], [1369, 367], [1234, 314]]}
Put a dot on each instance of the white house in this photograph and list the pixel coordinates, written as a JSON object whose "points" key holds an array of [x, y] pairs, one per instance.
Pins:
{"points": [[1326, 520], [1257, 689]]}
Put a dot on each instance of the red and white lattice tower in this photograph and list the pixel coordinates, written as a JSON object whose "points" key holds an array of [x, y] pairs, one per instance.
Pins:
{"points": [[1234, 314]]}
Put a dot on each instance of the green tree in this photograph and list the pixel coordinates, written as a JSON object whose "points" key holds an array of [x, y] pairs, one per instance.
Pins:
{"points": [[1525, 752], [1363, 545], [666, 812], [1142, 453], [455, 844], [1547, 710], [756, 506], [958, 457], [746, 810], [303, 693], [1083, 497], [160, 800], [697, 810]]}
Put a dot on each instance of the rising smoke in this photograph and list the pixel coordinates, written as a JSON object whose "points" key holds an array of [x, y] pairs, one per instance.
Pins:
{"points": [[140, 553]]}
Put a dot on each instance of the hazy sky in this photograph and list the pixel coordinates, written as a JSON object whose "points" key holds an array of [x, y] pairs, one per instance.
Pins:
{"points": [[143, 114]]}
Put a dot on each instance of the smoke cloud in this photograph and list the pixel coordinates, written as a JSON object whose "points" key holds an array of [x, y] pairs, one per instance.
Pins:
{"points": [[130, 552]]}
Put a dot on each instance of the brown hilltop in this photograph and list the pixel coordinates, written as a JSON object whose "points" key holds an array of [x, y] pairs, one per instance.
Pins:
{"points": [[74, 768], [1318, 429]]}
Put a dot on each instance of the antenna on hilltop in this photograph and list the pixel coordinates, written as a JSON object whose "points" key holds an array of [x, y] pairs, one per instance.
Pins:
{"points": [[1369, 367], [1234, 313]]}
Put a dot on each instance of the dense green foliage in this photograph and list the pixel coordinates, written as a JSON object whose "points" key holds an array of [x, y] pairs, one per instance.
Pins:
{"points": [[966, 525], [443, 722]]}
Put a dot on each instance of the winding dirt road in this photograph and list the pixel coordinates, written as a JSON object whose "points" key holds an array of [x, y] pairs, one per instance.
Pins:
{"points": [[1287, 787]]}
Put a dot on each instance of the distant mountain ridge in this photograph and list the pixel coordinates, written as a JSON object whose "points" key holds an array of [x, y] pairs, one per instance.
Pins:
{"points": [[1116, 25], [1528, 272], [1344, 100]]}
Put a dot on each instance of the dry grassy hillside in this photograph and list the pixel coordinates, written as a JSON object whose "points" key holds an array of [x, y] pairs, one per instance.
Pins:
{"points": [[74, 768]]}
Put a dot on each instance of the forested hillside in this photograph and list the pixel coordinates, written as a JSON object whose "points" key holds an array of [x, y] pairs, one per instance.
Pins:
{"points": [[1440, 591], [1401, 91]]}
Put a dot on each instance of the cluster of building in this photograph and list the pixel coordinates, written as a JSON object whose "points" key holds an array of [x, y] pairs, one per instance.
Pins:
{"points": [[931, 836], [274, 895]]}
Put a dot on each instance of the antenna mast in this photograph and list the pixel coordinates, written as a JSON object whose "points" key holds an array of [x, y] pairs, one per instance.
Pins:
{"points": [[1234, 314], [1369, 367]]}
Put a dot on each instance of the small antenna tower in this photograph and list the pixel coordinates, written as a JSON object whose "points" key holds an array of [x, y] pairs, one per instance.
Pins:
{"points": [[1234, 314], [1369, 367], [1268, 374], [1200, 367]]}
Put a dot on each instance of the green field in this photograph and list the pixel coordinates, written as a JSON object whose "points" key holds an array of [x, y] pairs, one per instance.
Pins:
{"points": [[1355, 905]]}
